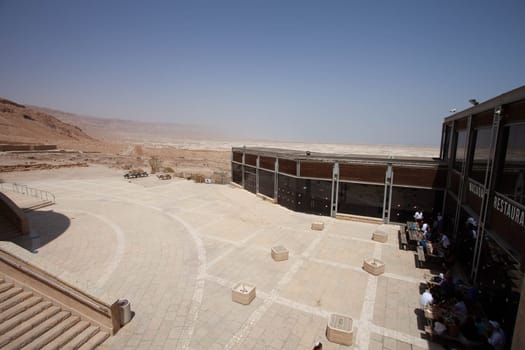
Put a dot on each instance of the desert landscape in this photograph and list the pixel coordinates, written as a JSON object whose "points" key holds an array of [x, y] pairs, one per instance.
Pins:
{"points": [[183, 151]]}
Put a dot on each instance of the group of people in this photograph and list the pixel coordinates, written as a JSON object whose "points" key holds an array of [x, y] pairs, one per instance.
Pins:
{"points": [[458, 313], [433, 238]]}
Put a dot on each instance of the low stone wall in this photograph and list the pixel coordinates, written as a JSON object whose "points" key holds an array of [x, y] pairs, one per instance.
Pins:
{"points": [[23, 147]]}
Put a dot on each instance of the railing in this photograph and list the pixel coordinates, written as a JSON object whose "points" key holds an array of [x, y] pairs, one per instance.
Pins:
{"points": [[28, 191]]}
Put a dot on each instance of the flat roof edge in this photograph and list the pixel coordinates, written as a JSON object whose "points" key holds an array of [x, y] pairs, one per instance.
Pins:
{"points": [[503, 99], [330, 157]]}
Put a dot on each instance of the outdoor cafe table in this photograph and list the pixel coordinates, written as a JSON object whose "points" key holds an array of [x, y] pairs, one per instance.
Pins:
{"points": [[414, 235]]}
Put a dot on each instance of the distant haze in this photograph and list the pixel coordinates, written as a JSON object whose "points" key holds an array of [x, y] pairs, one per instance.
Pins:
{"points": [[353, 72]]}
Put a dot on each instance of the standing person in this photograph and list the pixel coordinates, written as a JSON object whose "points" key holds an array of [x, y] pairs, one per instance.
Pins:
{"points": [[437, 225]]}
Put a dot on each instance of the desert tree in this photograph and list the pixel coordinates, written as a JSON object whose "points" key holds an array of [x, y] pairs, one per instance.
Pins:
{"points": [[154, 163]]}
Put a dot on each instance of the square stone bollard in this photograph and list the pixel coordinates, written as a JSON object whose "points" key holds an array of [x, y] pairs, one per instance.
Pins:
{"points": [[243, 293], [374, 266], [380, 236], [318, 226], [339, 329], [279, 253]]}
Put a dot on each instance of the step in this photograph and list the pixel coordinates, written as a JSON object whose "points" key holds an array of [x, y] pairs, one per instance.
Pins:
{"points": [[37, 206], [39, 330], [23, 306], [23, 316], [16, 299], [95, 341], [26, 326], [71, 333], [5, 286], [82, 338], [53, 333], [10, 293]]}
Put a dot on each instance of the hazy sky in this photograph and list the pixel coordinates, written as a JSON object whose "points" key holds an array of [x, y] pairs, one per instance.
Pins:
{"points": [[332, 71]]}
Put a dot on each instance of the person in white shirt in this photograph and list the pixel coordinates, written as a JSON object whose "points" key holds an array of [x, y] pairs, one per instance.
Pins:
{"points": [[426, 299]]}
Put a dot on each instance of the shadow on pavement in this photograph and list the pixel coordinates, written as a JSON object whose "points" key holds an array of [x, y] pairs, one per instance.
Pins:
{"points": [[45, 226]]}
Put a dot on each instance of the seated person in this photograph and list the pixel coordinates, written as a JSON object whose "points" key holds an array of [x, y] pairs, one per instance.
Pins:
{"points": [[428, 233], [426, 298], [424, 228], [461, 309], [496, 338], [448, 286], [445, 242]]}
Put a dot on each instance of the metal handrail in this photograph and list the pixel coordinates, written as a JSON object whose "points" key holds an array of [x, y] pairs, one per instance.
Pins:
{"points": [[28, 191]]}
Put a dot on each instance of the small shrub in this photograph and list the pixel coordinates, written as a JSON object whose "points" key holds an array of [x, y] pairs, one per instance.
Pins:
{"points": [[169, 169]]}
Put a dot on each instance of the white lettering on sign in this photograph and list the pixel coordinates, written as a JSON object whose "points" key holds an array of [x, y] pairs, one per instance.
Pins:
{"points": [[510, 210], [476, 189]]}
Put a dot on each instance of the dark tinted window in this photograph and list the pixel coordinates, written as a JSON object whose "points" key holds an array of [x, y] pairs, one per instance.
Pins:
{"points": [[511, 180], [481, 154], [360, 199], [459, 154]]}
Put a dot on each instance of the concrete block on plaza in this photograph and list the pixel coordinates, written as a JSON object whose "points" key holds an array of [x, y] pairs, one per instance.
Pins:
{"points": [[339, 329], [374, 266], [380, 236], [243, 293], [279, 253], [318, 226]]}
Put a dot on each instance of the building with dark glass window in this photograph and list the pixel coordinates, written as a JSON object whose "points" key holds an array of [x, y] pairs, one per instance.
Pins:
{"points": [[478, 183]]}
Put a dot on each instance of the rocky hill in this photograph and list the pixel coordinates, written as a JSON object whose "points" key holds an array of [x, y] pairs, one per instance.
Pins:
{"points": [[120, 130], [21, 124]]}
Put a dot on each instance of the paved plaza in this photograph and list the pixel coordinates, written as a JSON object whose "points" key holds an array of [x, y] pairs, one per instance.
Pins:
{"points": [[175, 248]]}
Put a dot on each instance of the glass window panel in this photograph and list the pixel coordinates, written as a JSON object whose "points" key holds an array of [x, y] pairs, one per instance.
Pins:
{"points": [[286, 192], [237, 173], [459, 156], [446, 142], [511, 181], [360, 199], [250, 179], [313, 196], [266, 183], [481, 155], [406, 200]]}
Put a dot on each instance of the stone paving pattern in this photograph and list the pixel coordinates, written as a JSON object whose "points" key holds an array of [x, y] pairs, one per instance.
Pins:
{"points": [[175, 248]]}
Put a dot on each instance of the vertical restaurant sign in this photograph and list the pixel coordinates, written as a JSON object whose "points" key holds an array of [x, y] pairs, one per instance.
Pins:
{"points": [[475, 189], [510, 210]]}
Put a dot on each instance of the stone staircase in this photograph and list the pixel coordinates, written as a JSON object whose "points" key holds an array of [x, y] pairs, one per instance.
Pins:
{"points": [[31, 321]]}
